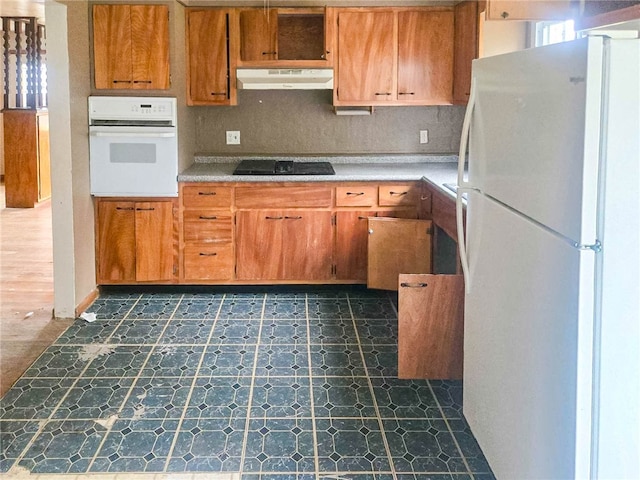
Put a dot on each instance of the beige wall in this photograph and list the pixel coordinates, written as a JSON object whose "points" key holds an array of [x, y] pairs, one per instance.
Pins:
{"points": [[503, 37]]}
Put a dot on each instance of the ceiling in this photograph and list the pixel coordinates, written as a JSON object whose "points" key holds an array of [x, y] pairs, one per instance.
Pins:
{"points": [[22, 8]]}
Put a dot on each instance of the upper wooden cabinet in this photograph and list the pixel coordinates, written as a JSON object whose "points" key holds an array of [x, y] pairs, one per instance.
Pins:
{"points": [[398, 56], [465, 48], [284, 37], [528, 9], [131, 46], [208, 69]]}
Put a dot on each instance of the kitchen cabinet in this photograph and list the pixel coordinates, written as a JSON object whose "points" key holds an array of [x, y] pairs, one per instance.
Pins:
{"points": [[465, 48], [398, 56], [430, 326], [135, 241], [284, 245], [207, 233], [209, 73], [397, 246], [528, 10], [131, 46], [284, 37], [27, 165]]}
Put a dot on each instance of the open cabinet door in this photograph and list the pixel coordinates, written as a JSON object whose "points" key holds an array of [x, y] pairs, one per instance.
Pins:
{"points": [[430, 326], [395, 246]]}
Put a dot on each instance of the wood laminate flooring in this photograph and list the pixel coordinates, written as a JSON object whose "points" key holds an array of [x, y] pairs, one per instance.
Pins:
{"points": [[27, 326]]}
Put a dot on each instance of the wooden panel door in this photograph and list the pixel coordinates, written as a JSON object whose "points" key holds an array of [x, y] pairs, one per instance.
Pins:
{"points": [[44, 158], [395, 246], [465, 48], [208, 68], [150, 46], [259, 245], [366, 59], [307, 245], [112, 46], [425, 57], [154, 241], [351, 245], [430, 326], [258, 34], [116, 242]]}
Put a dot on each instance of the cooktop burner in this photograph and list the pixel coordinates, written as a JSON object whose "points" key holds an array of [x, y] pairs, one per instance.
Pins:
{"points": [[283, 167]]}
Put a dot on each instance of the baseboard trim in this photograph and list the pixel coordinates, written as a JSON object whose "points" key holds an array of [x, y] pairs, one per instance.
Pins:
{"points": [[87, 301]]}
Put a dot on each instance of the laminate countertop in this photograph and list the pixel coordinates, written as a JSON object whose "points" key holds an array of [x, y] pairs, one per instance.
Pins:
{"points": [[438, 170]]}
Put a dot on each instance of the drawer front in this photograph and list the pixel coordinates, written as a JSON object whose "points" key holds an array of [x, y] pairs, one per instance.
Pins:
{"points": [[392, 195], [204, 226], [278, 197], [203, 196], [209, 262], [360, 196]]}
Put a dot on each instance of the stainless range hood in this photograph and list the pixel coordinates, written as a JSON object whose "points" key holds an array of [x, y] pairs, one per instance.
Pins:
{"points": [[285, 78]]}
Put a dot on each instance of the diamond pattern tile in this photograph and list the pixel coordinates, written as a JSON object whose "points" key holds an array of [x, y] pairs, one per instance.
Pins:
{"points": [[265, 383]]}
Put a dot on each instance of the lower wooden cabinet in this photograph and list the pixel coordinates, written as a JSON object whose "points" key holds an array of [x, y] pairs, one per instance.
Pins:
{"points": [[291, 245], [430, 326], [208, 262], [135, 241]]}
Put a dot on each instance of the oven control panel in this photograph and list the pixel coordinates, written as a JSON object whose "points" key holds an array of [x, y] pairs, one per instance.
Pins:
{"points": [[132, 108]]}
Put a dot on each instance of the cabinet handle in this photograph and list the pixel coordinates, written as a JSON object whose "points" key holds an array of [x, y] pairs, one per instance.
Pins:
{"points": [[122, 81], [382, 93], [204, 217], [206, 193], [269, 53], [363, 218], [298, 217], [125, 208], [144, 209], [355, 194], [413, 285], [142, 81], [504, 14], [208, 254], [273, 218], [219, 93], [400, 194], [406, 93]]}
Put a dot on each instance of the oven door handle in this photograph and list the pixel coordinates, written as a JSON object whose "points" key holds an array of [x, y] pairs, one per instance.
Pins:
{"points": [[134, 134]]}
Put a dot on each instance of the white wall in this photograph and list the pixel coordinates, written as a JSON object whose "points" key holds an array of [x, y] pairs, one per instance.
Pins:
{"points": [[499, 37]]}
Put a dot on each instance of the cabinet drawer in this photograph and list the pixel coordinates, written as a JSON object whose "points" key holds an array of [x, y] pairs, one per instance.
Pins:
{"points": [[210, 262], [359, 196], [278, 197], [199, 196], [391, 195], [207, 226]]}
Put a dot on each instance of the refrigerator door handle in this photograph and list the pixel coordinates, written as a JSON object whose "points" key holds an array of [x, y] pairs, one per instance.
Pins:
{"points": [[462, 246]]}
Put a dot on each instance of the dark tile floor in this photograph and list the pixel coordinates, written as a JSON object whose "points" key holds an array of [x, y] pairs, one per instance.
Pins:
{"points": [[297, 383]]}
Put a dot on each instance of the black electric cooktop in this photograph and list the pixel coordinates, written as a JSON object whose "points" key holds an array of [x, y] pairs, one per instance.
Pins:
{"points": [[283, 167]]}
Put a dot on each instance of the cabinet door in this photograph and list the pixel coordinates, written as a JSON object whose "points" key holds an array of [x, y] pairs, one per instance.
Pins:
{"points": [[116, 242], [425, 57], [430, 326], [258, 34], [150, 46], [154, 246], [397, 245], [366, 59], [465, 48], [259, 245], [307, 245], [208, 68], [112, 46], [351, 245]]}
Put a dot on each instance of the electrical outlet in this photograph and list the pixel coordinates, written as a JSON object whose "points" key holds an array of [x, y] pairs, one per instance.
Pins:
{"points": [[233, 137], [424, 136]]}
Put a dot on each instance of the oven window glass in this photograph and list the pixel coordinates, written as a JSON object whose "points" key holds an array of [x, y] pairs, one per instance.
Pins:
{"points": [[132, 153]]}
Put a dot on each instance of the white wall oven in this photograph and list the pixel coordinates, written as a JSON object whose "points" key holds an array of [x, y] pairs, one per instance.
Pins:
{"points": [[133, 146]]}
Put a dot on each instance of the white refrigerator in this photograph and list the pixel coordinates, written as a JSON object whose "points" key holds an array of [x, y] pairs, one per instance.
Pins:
{"points": [[551, 260]]}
